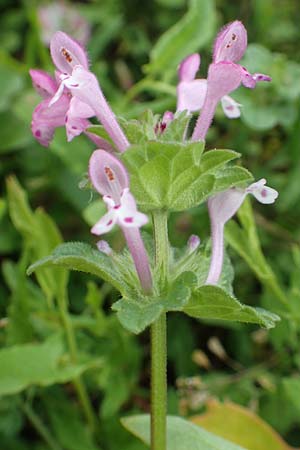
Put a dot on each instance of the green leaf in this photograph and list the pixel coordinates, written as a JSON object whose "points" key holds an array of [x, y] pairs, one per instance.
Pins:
{"points": [[176, 129], [198, 264], [141, 130], [181, 434], [25, 365], [231, 176], [84, 258], [40, 234], [179, 292], [189, 35], [212, 302], [176, 176], [136, 316]]}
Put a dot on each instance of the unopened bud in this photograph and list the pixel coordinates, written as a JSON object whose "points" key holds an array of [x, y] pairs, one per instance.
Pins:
{"points": [[193, 243], [104, 247]]}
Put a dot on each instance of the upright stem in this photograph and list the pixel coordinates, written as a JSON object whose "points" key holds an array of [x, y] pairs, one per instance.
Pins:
{"points": [[159, 341], [159, 383], [160, 224]]}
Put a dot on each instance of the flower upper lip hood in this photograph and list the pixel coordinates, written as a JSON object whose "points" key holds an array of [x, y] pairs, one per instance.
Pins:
{"points": [[231, 43], [109, 177], [67, 53], [108, 174]]}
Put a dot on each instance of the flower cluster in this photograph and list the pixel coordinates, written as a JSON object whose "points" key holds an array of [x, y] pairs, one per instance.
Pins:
{"points": [[74, 96]]}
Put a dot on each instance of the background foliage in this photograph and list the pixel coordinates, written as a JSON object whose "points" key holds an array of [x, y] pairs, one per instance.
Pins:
{"points": [[58, 338]]}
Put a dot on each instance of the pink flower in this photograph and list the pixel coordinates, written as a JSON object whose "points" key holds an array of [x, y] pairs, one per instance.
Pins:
{"points": [[222, 208], [68, 112], [110, 179], [72, 98], [77, 80], [124, 214], [225, 75], [191, 91]]}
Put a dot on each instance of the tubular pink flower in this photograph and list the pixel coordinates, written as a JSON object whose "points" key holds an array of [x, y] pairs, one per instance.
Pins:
{"points": [[70, 59], [71, 113], [221, 208], [225, 75], [110, 179], [191, 92], [223, 78]]}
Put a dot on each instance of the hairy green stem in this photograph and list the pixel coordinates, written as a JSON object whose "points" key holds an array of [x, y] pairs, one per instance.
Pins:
{"points": [[160, 224], [159, 340], [78, 382]]}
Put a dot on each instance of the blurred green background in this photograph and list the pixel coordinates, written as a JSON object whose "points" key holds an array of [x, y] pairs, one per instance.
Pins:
{"points": [[134, 49]]}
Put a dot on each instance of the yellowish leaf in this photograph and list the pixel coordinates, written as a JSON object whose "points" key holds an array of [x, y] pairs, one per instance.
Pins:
{"points": [[241, 426]]}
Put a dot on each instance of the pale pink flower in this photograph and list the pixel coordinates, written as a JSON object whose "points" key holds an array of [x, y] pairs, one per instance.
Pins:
{"points": [[110, 179], [222, 208], [225, 75]]}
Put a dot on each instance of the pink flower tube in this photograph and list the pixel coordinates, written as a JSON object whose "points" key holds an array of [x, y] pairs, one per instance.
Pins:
{"points": [[221, 208], [110, 179]]}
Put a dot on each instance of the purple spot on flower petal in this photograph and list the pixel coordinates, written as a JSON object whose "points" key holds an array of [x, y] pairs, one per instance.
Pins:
{"points": [[117, 206], [109, 223], [264, 193], [38, 133], [128, 219], [74, 128]]}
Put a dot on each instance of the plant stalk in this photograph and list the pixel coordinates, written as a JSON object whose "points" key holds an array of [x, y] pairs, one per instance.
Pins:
{"points": [[159, 340]]}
